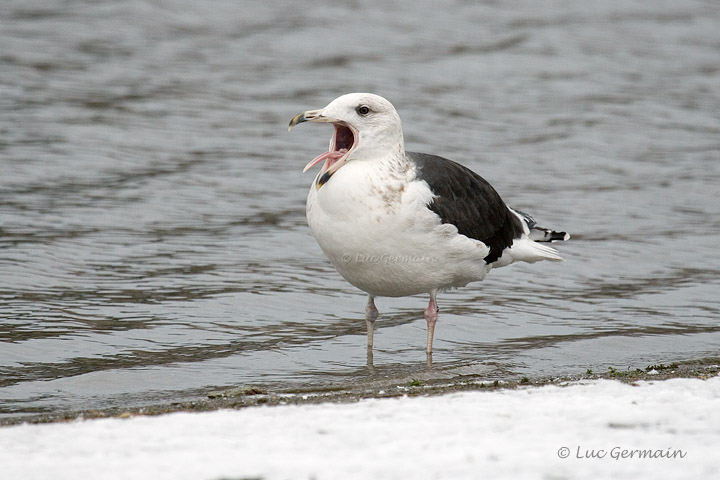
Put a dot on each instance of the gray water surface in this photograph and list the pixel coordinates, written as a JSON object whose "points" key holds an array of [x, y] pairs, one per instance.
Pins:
{"points": [[153, 243]]}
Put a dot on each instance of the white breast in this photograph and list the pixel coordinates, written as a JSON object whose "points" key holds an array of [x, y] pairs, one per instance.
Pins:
{"points": [[372, 221]]}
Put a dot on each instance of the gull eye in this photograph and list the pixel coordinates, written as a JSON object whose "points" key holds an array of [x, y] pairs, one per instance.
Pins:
{"points": [[363, 110]]}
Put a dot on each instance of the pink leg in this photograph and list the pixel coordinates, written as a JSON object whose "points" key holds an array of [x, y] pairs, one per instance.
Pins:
{"points": [[371, 314], [431, 316]]}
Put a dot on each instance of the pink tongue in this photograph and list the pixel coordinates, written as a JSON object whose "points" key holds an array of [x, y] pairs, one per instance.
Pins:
{"points": [[330, 156]]}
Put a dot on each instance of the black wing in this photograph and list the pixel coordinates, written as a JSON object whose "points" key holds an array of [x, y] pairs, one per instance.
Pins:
{"points": [[465, 199]]}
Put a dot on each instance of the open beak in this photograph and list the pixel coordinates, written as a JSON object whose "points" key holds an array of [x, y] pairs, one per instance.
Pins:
{"points": [[309, 116], [344, 139]]}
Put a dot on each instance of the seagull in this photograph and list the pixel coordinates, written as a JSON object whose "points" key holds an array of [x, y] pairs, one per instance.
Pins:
{"points": [[396, 223]]}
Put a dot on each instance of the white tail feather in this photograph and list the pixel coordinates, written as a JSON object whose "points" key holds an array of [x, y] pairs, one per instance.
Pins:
{"points": [[526, 250]]}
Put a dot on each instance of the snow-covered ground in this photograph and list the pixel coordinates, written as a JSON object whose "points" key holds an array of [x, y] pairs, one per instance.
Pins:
{"points": [[597, 429]]}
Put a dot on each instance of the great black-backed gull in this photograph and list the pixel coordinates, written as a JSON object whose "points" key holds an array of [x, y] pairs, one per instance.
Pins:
{"points": [[397, 223]]}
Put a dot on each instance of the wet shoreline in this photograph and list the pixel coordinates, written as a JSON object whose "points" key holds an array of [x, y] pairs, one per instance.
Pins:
{"points": [[251, 396]]}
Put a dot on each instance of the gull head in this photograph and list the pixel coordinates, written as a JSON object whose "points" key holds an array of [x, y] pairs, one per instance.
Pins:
{"points": [[366, 127]]}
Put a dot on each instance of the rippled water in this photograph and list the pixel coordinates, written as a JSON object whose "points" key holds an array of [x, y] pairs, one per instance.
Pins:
{"points": [[153, 244]]}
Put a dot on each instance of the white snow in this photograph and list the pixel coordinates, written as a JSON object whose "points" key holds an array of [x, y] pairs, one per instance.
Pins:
{"points": [[485, 434]]}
